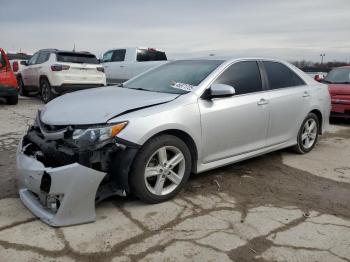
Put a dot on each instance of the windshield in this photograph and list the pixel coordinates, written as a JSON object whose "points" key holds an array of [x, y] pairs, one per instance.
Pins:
{"points": [[338, 76], [178, 77], [71, 57]]}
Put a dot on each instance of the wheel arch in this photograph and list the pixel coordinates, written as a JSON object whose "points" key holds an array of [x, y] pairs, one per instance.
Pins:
{"points": [[318, 113], [42, 77], [187, 139]]}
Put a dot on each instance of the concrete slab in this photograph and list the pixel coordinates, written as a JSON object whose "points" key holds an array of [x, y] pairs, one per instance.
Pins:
{"points": [[186, 251], [12, 255], [33, 234], [285, 254], [13, 212], [153, 216], [318, 233], [111, 227], [335, 150]]}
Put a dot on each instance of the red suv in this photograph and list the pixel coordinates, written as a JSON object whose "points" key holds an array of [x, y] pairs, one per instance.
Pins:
{"points": [[338, 81], [8, 82]]}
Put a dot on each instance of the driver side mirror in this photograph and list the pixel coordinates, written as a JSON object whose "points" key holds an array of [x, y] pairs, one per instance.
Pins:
{"points": [[25, 63], [221, 90], [318, 77]]}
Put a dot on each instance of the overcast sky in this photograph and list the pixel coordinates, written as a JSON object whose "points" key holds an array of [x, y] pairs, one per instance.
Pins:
{"points": [[287, 29]]}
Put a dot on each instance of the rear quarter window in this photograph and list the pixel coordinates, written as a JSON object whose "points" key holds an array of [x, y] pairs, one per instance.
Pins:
{"points": [[80, 58], [280, 76], [144, 55]]}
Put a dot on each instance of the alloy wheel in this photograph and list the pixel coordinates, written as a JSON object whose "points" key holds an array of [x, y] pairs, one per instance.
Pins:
{"points": [[309, 133], [164, 170], [45, 92]]}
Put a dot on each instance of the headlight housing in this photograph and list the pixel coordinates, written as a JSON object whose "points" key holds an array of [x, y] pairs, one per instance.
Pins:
{"points": [[97, 135]]}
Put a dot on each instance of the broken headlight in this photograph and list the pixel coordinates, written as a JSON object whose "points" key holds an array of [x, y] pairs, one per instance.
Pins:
{"points": [[92, 136]]}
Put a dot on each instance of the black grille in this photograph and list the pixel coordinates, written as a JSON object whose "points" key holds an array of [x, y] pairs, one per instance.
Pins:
{"points": [[45, 183]]}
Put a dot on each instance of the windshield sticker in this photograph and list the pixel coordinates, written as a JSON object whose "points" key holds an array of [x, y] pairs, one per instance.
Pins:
{"points": [[182, 86]]}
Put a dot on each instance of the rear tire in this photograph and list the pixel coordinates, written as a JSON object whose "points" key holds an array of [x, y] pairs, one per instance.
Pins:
{"points": [[45, 90], [12, 100], [308, 134], [160, 169], [22, 90]]}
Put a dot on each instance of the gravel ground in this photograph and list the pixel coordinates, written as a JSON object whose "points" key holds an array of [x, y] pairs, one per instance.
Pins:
{"points": [[277, 207]]}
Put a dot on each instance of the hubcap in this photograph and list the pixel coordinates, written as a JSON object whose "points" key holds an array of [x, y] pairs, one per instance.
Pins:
{"points": [[164, 170], [309, 133]]}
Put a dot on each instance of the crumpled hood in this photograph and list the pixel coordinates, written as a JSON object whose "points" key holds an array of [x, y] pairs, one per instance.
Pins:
{"points": [[98, 105]]}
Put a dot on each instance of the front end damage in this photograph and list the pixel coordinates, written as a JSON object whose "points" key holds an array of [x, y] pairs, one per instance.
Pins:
{"points": [[60, 182]]}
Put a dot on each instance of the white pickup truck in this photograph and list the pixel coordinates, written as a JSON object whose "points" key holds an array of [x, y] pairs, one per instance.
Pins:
{"points": [[124, 63]]}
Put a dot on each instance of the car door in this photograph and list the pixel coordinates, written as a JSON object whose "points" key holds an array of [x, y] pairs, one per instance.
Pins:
{"points": [[36, 69], [238, 124], [114, 65], [27, 72], [289, 102]]}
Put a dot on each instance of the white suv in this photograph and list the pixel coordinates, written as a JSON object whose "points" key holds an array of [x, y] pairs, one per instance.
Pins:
{"points": [[53, 72]]}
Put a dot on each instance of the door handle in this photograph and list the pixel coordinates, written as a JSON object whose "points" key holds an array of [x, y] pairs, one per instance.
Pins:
{"points": [[262, 102], [306, 94], [121, 66]]}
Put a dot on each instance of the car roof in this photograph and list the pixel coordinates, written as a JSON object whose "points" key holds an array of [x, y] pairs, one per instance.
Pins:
{"points": [[229, 59], [53, 50]]}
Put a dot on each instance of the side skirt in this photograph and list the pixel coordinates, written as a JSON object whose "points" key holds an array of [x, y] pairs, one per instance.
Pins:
{"points": [[238, 158]]}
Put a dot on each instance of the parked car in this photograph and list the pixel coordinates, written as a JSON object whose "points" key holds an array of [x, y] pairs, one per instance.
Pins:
{"points": [[148, 136], [318, 76], [8, 83], [338, 81], [16, 58], [125, 63], [53, 72]]}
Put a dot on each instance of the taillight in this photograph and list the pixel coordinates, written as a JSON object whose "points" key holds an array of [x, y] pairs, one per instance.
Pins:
{"points": [[15, 66], [58, 67], [101, 69]]}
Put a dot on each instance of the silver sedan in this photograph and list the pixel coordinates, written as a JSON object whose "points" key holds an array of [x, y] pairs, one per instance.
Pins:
{"points": [[146, 136]]}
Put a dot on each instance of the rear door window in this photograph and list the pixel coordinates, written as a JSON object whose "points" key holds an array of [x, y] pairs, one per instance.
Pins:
{"points": [[144, 55], [80, 58], [243, 76], [118, 55], [280, 76]]}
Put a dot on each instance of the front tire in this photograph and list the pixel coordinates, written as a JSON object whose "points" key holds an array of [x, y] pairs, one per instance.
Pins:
{"points": [[12, 100], [308, 134], [45, 90], [160, 169]]}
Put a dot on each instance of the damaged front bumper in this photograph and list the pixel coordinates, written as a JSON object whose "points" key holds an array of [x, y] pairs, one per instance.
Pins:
{"points": [[60, 182], [59, 196]]}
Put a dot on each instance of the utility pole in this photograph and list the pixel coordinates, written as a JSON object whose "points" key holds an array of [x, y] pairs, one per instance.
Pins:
{"points": [[322, 56]]}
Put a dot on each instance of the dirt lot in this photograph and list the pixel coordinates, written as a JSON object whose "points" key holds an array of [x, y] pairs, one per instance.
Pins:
{"points": [[277, 207]]}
